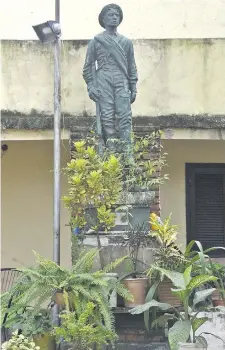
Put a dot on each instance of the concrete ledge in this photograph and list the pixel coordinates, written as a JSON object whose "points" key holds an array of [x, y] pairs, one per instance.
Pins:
{"points": [[85, 123], [139, 199]]}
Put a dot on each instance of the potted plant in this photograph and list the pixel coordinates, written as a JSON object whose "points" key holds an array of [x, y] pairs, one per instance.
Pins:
{"points": [[83, 328], [204, 264], [135, 281], [218, 270], [166, 255], [19, 341], [186, 321], [35, 325], [95, 184], [37, 284]]}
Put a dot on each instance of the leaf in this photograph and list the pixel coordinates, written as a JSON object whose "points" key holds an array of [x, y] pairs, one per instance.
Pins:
{"points": [[187, 275], [153, 303], [182, 294], [148, 298], [177, 278], [214, 335], [197, 281], [202, 295], [179, 333], [198, 322], [189, 248], [162, 320], [213, 248], [202, 341]]}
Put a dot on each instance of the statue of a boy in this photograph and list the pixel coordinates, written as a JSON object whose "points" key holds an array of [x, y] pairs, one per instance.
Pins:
{"points": [[111, 76]]}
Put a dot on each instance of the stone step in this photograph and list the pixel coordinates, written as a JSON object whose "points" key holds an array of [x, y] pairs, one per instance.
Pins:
{"points": [[133, 346]]}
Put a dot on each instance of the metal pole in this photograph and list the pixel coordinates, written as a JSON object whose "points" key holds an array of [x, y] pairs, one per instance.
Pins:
{"points": [[57, 156], [57, 141]]}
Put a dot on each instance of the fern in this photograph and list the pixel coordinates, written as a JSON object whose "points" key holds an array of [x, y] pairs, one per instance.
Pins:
{"points": [[114, 264], [80, 285]]}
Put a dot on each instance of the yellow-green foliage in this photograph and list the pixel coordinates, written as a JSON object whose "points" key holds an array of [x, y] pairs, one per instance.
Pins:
{"points": [[166, 253], [95, 184], [164, 232], [81, 328], [19, 342]]}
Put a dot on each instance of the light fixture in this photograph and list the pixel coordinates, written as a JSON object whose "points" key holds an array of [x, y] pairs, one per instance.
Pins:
{"points": [[48, 32], [4, 148]]}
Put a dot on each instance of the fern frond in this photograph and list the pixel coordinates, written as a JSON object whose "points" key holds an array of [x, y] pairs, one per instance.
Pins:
{"points": [[85, 263], [114, 264]]}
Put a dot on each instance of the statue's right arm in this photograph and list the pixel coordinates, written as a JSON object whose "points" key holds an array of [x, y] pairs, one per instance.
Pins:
{"points": [[89, 62]]}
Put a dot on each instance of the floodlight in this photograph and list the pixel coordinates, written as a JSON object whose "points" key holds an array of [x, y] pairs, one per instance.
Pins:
{"points": [[48, 32]]}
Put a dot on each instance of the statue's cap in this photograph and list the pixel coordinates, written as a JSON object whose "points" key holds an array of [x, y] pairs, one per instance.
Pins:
{"points": [[105, 9]]}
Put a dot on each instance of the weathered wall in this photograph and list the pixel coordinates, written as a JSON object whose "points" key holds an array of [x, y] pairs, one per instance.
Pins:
{"points": [[27, 203], [142, 19], [172, 195], [175, 76]]}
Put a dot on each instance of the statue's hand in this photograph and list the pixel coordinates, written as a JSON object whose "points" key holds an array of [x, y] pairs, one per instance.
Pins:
{"points": [[93, 93], [133, 96]]}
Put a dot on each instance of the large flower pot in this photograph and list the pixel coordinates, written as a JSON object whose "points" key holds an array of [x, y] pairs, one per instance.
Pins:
{"points": [[165, 294], [137, 287], [45, 341], [191, 346], [59, 299], [216, 299], [218, 302]]}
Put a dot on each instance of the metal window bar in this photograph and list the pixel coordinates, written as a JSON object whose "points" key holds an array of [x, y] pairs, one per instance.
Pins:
{"points": [[8, 277]]}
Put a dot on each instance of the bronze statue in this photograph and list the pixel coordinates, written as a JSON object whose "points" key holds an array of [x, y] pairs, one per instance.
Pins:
{"points": [[111, 76]]}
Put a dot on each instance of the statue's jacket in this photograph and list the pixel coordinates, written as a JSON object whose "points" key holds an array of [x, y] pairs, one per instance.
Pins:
{"points": [[111, 51]]}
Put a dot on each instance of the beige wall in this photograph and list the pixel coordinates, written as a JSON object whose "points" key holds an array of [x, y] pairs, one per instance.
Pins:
{"points": [[173, 192], [142, 19], [175, 76], [27, 203]]}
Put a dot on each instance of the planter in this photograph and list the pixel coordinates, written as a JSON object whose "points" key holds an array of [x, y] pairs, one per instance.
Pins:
{"points": [[216, 299], [165, 295], [137, 287], [191, 346], [113, 296], [59, 299], [218, 302], [45, 341]]}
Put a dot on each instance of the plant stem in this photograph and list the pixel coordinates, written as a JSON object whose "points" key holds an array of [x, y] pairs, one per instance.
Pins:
{"points": [[101, 258]]}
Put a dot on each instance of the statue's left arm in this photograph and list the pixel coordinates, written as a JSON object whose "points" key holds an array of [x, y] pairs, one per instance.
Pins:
{"points": [[132, 69]]}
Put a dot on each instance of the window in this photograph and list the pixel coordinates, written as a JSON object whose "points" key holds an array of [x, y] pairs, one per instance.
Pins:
{"points": [[205, 205]]}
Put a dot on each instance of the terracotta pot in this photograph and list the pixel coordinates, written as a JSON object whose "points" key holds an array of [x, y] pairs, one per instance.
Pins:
{"points": [[59, 299], [191, 346], [215, 295], [165, 295], [137, 287], [218, 302], [45, 341]]}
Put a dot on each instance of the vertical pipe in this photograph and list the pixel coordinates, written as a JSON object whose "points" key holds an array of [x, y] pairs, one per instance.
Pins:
{"points": [[57, 156], [57, 141]]}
